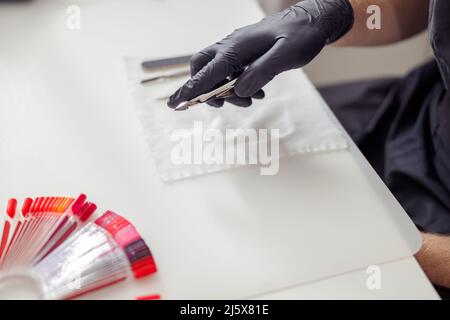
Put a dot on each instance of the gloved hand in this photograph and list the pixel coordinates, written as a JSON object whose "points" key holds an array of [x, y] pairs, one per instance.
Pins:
{"points": [[257, 53]]}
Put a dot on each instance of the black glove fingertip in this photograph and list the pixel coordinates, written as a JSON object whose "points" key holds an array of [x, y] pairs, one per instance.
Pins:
{"points": [[171, 103], [259, 95], [218, 103]]}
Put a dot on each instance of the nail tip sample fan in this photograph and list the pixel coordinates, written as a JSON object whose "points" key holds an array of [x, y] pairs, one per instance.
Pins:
{"points": [[53, 244]]}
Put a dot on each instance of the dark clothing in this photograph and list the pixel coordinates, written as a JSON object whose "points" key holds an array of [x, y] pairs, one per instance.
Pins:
{"points": [[403, 128], [439, 29]]}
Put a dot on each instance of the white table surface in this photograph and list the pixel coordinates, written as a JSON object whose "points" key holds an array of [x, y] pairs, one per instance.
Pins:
{"points": [[75, 143], [402, 279]]}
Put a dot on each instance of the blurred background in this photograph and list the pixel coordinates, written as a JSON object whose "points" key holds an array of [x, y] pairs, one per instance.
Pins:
{"points": [[344, 64]]}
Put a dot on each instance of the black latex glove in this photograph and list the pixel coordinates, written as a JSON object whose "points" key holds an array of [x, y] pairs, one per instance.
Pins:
{"points": [[257, 53]]}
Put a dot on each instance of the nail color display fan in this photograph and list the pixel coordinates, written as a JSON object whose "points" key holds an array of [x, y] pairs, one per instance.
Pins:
{"points": [[51, 242]]}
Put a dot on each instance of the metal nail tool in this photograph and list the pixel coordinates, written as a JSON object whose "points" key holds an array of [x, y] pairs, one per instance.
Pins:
{"points": [[223, 91]]}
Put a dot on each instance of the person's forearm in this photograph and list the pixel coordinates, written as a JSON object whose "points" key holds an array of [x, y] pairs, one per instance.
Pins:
{"points": [[434, 258], [400, 19]]}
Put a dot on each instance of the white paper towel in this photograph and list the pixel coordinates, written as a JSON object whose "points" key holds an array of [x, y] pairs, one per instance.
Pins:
{"points": [[291, 106]]}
